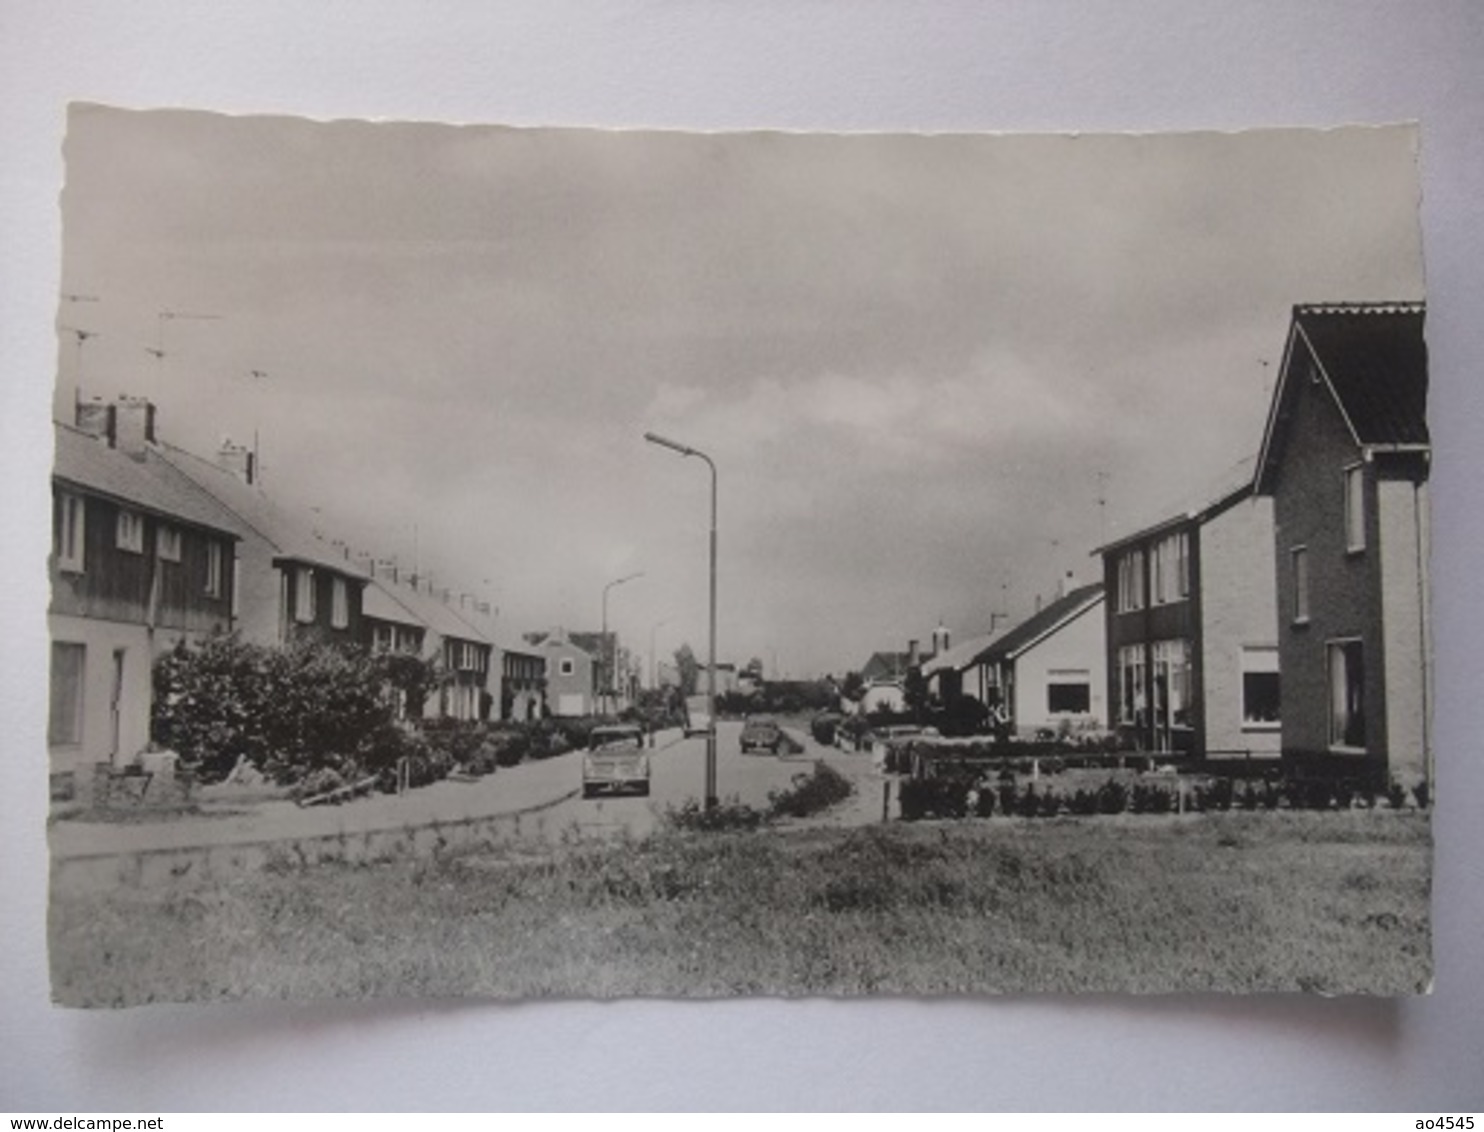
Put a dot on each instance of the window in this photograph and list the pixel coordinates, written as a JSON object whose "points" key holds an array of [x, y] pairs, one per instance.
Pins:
{"points": [[1300, 585], [1260, 689], [1131, 685], [213, 581], [1347, 695], [1355, 508], [1068, 692], [130, 532], [1170, 569], [167, 543], [304, 595], [67, 532], [69, 662], [339, 603], [1171, 684], [567, 666], [1131, 581]]}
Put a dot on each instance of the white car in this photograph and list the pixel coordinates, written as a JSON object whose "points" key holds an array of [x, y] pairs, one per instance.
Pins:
{"points": [[615, 762]]}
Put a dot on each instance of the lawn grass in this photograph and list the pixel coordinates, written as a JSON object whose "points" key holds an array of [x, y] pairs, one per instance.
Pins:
{"points": [[1331, 902]]}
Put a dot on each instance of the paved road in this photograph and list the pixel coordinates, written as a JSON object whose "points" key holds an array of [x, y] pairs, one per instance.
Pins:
{"points": [[548, 790]]}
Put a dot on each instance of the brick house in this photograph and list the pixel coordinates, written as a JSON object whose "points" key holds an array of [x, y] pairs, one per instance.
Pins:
{"points": [[140, 561], [1193, 664], [571, 674], [1345, 460]]}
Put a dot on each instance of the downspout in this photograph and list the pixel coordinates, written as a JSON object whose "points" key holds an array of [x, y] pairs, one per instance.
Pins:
{"points": [[1421, 541]]}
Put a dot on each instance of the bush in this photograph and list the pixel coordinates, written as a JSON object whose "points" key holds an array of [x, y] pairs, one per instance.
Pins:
{"points": [[1396, 795], [1423, 794], [810, 793], [729, 815], [934, 798], [288, 711], [1112, 797], [984, 799]]}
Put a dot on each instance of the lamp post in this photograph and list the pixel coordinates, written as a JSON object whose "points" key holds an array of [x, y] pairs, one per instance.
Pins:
{"points": [[687, 450], [606, 689]]}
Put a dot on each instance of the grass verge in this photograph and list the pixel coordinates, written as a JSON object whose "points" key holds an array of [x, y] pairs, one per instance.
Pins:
{"points": [[1336, 903]]}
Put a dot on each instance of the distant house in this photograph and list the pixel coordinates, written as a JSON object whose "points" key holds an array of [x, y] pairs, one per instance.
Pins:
{"points": [[1193, 664], [410, 617], [1345, 460], [883, 696], [888, 665], [961, 671], [140, 561], [1049, 671], [571, 674]]}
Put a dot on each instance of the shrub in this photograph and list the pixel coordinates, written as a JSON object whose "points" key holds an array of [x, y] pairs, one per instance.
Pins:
{"points": [[730, 814], [984, 799], [1112, 797], [287, 710], [810, 793], [1423, 794], [1396, 795], [934, 797], [1050, 805], [1083, 803], [1029, 803], [1218, 794]]}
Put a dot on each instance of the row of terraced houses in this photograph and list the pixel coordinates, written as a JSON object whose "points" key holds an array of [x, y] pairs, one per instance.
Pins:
{"points": [[1279, 613], [153, 545]]}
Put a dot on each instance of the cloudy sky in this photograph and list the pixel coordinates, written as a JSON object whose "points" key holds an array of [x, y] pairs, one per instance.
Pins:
{"points": [[934, 371]]}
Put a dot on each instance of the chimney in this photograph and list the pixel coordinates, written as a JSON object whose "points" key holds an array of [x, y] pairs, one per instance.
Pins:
{"points": [[95, 418], [914, 653], [237, 459], [133, 425], [940, 639]]}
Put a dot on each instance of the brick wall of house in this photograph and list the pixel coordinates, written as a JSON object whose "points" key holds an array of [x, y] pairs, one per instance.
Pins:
{"points": [[1344, 596], [1238, 610]]}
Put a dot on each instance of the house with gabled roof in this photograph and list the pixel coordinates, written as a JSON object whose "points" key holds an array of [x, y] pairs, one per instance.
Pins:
{"points": [[1049, 672], [294, 583], [140, 561], [1193, 665], [1345, 460]]}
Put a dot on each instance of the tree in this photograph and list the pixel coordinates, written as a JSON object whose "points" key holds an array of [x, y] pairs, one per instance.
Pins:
{"points": [[689, 669], [915, 691], [854, 686]]}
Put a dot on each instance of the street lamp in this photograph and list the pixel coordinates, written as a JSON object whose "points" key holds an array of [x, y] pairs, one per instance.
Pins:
{"points": [[687, 450], [608, 658]]}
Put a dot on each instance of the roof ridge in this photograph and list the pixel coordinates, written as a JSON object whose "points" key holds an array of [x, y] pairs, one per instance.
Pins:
{"points": [[1398, 306]]}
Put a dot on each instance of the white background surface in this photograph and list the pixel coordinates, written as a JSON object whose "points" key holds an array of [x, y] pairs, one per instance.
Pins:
{"points": [[830, 65]]}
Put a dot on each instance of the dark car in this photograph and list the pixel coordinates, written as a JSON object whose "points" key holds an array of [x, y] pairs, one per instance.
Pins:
{"points": [[762, 735]]}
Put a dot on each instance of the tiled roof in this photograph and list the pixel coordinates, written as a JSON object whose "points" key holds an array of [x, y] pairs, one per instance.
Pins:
{"points": [[1063, 609], [426, 609], [289, 535], [1375, 359], [963, 655], [151, 483]]}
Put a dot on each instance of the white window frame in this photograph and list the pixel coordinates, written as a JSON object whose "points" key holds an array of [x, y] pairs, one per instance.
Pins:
{"points": [[1298, 557], [167, 543], [304, 595], [129, 531], [1132, 700], [1170, 569], [1332, 648], [1355, 508], [212, 586], [71, 532], [1068, 678], [1131, 581], [1259, 660], [339, 603]]}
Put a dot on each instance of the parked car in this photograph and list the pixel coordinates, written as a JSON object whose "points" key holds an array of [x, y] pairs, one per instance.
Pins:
{"points": [[762, 735], [616, 761]]}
